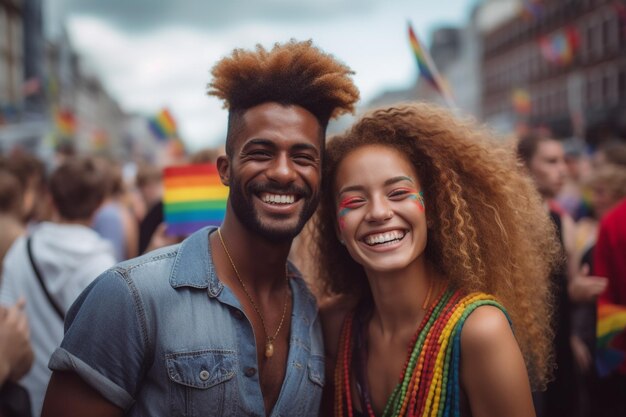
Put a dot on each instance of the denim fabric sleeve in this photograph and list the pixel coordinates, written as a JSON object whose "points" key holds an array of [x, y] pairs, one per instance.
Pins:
{"points": [[106, 339]]}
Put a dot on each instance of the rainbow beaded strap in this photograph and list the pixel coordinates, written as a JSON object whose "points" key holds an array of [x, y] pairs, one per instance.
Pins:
{"points": [[429, 385]]}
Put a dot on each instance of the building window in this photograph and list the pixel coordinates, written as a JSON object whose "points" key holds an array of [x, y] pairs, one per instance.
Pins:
{"points": [[594, 89], [597, 46], [609, 38], [610, 87], [621, 85]]}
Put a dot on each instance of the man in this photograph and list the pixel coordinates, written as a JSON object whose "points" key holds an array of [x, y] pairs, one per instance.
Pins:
{"points": [[220, 325], [57, 262]]}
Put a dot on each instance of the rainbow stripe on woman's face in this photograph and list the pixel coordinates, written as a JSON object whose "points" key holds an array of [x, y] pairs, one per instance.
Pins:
{"points": [[345, 206], [418, 196], [412, 194]]}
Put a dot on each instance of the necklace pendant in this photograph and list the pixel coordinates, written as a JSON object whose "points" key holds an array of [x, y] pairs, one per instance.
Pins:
{"points": [[269, 349]]}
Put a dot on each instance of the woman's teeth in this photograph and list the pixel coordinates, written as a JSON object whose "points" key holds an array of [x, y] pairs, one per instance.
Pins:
{"points": [[381, 238]]}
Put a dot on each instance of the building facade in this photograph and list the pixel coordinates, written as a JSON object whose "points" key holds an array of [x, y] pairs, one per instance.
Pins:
{"points": [[11, 58], [569, 58]]}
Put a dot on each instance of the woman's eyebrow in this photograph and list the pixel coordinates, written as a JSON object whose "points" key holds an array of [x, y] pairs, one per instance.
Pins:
{"points": [[398, 179], [350, 188]]}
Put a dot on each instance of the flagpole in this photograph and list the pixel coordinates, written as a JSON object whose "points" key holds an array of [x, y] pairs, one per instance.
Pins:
{"points": [[443, 88]]}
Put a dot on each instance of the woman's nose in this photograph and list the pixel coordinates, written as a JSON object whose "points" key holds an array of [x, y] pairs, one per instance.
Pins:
{"points": [[379, 210]]}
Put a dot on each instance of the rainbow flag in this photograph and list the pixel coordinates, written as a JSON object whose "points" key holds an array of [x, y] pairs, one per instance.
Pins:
{"points": [[65, 121], [610, 338], [163, 125], [194, 197], [532, 9], [424, 63], [560, 47], [520, 99]]}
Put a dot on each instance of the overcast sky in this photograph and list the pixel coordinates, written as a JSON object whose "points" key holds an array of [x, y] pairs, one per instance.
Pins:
{"points": [[152, 54]]}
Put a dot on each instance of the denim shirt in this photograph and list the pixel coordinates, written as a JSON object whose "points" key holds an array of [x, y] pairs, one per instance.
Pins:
{"points": [[161, 335]]}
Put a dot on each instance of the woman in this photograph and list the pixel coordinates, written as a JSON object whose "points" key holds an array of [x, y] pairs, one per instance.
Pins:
{"points": [[422, 218]]}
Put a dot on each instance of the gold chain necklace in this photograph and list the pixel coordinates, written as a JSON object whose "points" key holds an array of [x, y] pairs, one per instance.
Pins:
{"points": [[269, 340]]}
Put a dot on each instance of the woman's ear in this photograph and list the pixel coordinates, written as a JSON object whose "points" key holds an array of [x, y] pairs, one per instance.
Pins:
{"points": [[338, 234], [223, 168]]}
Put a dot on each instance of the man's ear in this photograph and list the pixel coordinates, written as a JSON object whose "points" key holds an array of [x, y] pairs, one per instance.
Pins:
{"points": [[223, 168]]}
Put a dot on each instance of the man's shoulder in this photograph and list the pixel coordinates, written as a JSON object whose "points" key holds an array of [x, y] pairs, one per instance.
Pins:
{"points": [[156, 263]]}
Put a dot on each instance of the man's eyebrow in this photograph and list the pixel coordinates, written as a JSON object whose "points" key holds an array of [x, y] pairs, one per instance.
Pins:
{"points": [[260, 142], [306, 147], [270, 144]]}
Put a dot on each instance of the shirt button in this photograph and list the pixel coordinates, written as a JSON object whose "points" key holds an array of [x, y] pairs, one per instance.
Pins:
{"points": [[204, 375], [238, 314], [250, 372]]}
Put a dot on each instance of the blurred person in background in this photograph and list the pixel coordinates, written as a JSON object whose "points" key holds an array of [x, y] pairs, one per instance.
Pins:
{"points": [[11, 226], [59, 259], [609, 260], [16, 358], [544, 160], [607, 186], [577, 162], [149, 184], [612, 152], [31, 173], [114, 221]]}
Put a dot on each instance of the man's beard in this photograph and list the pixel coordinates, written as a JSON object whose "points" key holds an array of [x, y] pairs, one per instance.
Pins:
{"points": [[243, 207]]}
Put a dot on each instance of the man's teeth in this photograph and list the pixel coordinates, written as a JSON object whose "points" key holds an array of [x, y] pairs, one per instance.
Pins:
{"points": [[386, 237], [278, 198]]}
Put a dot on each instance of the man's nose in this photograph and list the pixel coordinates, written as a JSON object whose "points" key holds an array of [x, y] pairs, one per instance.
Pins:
{"points": [[281, 170]]}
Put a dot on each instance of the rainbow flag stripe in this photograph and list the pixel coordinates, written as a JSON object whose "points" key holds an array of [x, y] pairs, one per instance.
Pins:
{"points": [[194, 197], [422, 59], [611, 328]]}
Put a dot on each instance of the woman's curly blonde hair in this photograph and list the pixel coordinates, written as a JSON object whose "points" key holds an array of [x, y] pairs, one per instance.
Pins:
{"points": [[487, 229]]}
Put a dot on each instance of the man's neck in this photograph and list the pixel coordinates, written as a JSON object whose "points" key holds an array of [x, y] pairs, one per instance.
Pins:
{"points": [[260, 263]]}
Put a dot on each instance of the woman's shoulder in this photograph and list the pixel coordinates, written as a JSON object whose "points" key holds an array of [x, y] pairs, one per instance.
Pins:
{"points": [[484, 329]]}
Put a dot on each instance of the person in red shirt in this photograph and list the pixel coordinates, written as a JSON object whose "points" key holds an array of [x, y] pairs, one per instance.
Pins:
{"points": [[610, 254], [609, 260]]}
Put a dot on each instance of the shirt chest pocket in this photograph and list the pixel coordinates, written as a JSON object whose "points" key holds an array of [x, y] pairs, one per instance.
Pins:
{"points": [[308, 396], [201, 382]]}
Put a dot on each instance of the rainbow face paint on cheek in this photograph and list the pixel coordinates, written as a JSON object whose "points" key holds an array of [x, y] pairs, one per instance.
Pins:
{"points": [[418, 197], [345, 207]]}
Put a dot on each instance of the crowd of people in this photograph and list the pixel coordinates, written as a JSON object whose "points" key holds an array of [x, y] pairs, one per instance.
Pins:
{"points": [[446, 271]]}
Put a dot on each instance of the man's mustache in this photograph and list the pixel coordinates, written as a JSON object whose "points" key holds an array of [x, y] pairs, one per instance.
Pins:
{"points": [[300, 192]]}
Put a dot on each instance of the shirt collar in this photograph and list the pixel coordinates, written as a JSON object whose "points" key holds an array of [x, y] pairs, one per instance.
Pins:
{"points": [[193, 266]]}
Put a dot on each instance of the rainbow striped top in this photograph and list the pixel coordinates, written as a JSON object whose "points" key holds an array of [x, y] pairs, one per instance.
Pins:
{"points": [[611, 328], [194, 197], [429, 384]]}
